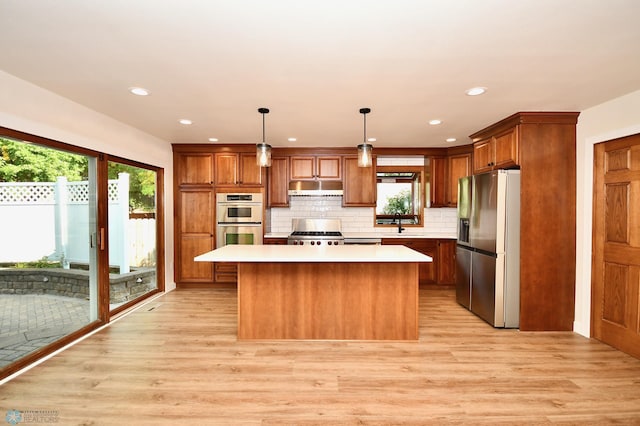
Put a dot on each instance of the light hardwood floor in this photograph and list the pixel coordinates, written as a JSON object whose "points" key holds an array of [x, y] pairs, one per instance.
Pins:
{"points": [[177, 361]]}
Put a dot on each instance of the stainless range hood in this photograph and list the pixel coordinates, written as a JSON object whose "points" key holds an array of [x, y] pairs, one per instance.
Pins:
{"points": [[315, 188]]}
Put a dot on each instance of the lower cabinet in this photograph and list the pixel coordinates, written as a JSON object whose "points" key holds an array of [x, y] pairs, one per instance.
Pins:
{"points": [[275, 240], [225, 272], [446, 266], [442, 270]]}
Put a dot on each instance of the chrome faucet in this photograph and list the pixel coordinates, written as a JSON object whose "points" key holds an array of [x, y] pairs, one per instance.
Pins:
{"points": [[400, 228]]}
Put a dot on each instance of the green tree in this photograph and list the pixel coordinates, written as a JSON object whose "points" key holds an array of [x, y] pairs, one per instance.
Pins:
{"points": [[398, 203], [22, 162], [142, 186], [25, 162]]}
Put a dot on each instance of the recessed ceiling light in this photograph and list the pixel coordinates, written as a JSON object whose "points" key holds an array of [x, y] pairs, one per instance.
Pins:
{"points": [[435, 122], [213, 139], [292, 139], [185, 121], [475, 91], [451, 139], [140, 91], [371, 139]]}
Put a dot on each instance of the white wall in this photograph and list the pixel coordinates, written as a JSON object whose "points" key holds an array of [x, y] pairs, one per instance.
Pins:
{"points": [[613, 119], [31, 109]]}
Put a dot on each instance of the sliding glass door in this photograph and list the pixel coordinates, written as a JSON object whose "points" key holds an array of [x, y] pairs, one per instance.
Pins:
{"points": [[48, 246], [81, 240], [132, 192]]}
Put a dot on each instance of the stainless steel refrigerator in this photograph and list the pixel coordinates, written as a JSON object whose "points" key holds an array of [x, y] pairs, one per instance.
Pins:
{"points": [[488, 247]]}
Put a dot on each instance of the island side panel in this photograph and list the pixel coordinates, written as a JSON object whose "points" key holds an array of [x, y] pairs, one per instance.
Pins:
{"points": [[328, 301]]}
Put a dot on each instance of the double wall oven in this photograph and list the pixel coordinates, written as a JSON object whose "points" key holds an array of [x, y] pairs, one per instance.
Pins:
{"points": [[238, 218]]}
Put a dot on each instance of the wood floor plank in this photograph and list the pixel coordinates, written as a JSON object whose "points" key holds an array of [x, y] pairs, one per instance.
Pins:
{"points": [[177, 360]]}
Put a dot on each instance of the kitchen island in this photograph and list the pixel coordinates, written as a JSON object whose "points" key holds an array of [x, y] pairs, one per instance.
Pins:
{"points": [[325, 293]]}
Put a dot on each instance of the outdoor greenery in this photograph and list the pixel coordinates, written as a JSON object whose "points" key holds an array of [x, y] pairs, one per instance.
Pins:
{"points": [[142, 186], [398, 203], [25, 162], [42, 263]]}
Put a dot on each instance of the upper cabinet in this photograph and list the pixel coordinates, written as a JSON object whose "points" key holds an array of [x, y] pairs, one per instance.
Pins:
{"points": [[278, 184], [237, 168], [444, 175], [438, 181], [500, 151], [194, 168], [458, 165], [359, 184], [214, 165], [310, 167]]}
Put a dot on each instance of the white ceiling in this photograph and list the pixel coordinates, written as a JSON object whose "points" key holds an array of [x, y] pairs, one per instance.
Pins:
{"points": [[314, 64]]}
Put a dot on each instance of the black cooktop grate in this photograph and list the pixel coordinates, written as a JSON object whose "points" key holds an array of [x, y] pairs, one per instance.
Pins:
{"points": [[316, 234]]}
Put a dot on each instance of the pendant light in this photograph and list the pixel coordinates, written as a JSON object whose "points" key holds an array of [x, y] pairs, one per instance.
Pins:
{"points": [[365, 149], [263, 150]]}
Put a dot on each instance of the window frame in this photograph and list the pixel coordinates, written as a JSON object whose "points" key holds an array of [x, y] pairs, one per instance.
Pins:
{"points": [[420, 171]]}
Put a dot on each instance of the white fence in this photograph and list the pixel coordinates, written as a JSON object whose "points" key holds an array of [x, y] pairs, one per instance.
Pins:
{"points": [[54, 220]]}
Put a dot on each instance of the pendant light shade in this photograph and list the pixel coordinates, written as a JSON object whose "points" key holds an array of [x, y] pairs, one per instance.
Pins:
{"points": [[365, 150], [263, 150]]}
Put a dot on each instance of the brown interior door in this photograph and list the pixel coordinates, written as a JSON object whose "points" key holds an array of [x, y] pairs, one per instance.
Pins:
{"points": [[615, 312]]}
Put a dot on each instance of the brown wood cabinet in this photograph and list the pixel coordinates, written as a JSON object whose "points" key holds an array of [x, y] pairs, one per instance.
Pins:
{"points": [[325, 167], [199, 172], [446, 267], [458, 165], [237, 168], [359, 184], [278, 182], [195, 234], [438, 181], [545, 148], [275, 241], [499, 151], [226, 272], [442, 270], [444, 175], [194, 168]]}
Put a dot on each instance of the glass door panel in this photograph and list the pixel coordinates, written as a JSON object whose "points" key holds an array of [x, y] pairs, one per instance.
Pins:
{"points": [[132, 193], [48, 253]]}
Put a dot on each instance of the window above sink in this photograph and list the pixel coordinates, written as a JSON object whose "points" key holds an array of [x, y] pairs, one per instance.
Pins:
{"points": [[400, 192]]}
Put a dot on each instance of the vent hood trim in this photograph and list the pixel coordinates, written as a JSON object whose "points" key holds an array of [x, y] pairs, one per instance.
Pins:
{"points": [[315, 188]]}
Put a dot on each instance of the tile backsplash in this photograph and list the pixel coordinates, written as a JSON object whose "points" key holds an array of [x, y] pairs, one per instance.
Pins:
{"points": [[439, 222]]}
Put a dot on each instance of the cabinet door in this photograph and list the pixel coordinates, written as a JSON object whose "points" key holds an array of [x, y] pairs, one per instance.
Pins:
{"points": [[427, 270], [312, 167], [188, 271], [278, 184], [194, 169], [226, 169], [275, 241], [506, 149], [328, 168], [446, 270], [195, 235], [226, 272], [303, 168], [438, 185], [359, 184], [250, 172], [483, 156], [459, 166]]}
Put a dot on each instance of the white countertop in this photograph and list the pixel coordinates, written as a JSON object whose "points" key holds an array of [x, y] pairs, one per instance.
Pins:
{"points": [[374, 235], [309, 254]]}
